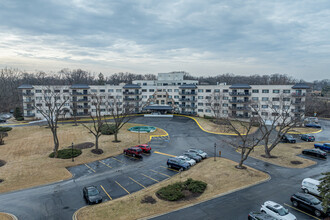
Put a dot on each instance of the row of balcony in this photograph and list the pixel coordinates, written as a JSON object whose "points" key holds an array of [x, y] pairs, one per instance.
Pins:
{"points": [[133, 99], [188, 100], [187, 93], [188, 106], [240, 93], [240, 108], [132, 93], [239, 101]]}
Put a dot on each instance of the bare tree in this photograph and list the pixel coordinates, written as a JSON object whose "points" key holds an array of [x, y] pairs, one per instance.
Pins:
{"points": [[97, 121], [214, 103], [51, 108], [246, 140], [121, 114], [2, 137]]}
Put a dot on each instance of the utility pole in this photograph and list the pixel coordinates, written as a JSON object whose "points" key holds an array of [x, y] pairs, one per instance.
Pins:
{"points": [[215, 151], [72, 152]]}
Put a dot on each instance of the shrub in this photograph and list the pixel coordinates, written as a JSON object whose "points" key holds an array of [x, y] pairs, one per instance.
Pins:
{"points": [[108, 129], [66, 153], [208, 117], [5, 129], [171, 192], [195, 186], [20, 119]]}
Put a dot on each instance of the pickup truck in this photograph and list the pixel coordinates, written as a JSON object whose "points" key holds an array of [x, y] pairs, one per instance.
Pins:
{"points": [[324, 147]]}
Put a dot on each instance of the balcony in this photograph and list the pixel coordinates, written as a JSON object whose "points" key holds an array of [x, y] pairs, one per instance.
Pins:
{"points": [[240, 93], [298, 110], [297, 103], [28, 94], [187, 93], [80, 93], [188, 100], [132, 99], [132, 93], [80, 100], [28, 108], [298, 94], [188, 106], [239, 101], [80, 107], [240, 108], [29, 100], [30, 115]]}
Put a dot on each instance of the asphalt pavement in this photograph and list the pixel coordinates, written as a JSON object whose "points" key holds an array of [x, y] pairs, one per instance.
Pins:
{"points": [[122, 175]]}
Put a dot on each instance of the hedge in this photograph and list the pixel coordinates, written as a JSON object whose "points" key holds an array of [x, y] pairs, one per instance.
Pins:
{"points": [[66, 153], [5, 129]]}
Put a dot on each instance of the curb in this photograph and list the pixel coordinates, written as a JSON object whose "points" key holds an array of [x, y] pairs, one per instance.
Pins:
{"points": [[313, 132], [213, 197], [11, 215]]}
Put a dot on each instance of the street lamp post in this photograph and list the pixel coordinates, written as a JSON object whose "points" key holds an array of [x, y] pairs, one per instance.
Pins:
{"points": [[139, 135], [72, 152], [215, 150]]}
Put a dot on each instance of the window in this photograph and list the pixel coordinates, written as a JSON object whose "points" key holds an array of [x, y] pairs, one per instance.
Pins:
{"points": [[144, 96], [39, 98], [200, 110], [151, 90], [118, 97], [207, 110], [159, 90], [144, 84], [275, 114], [217, 90], [255, 90], [144, 90], [169, 96], [254, 113], [286, 99], [118, 90], [276, 91], [151, 96], [102, 90], [225, 91], [200, 97], [93, 90], [255, 106], [286, 90], [225, 98], [265, 91], [276, 106], [225, 104], [255, 98], [176, 96], [169, 90], [176, 90], [286, 107], [200, 104], [264, 113], [66, 91], [224, 111], [159, 96], [264, 99], [276, 99], [208, 97], [110, 90], [208, 90], [200, 90], [38, 91], [207, 104], [264, 106]]}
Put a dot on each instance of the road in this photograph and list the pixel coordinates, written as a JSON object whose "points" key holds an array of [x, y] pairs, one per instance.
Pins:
{"points": [[121, 175]]}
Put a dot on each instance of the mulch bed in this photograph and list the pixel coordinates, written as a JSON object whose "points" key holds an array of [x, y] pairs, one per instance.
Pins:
{"points": [[296, 162], [97, 151], [296, 147], [84, 145], [2, 162], [188, 195], [148, 199], [1, 180]]}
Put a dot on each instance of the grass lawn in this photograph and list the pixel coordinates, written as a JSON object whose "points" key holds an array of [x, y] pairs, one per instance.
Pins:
{"points": [[221, 176], [4, 216], [286, 153], [208, 125], [26, 152]]}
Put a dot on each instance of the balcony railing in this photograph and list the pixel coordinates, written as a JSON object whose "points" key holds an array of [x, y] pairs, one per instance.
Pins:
{"points": [[298, 110], [188, 100], [80, 107], [28, 100], [132, 99], [298, 103], [187, 93], [298, 94], [240, 108], [239, 101], [80, 93], [132, 93], [188, 106], [28, 94], [30, 115], [29, 108], [80, 100], [240, 93]]}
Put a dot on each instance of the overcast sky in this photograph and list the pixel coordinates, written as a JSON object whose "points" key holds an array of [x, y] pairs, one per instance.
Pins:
{"points": [[144, 36]]}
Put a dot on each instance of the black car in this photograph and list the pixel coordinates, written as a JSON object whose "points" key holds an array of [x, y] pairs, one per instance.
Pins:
{"points": [[316, 153], [308, 202], [92, 195], [177, 163], [288, 139], [2, 120], [193, 156], [259, 216], [313, 125], [307, 137]]}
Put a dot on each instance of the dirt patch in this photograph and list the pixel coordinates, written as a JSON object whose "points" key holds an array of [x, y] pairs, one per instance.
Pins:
{"points": [[84, 145], [2, 163], [149, 200], [296, 162], [97, 151]]}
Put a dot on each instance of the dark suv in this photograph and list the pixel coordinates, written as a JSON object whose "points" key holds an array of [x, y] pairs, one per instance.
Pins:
{"points": [[307, 137], [134, 151], [308, 202], [259, 216], [92, 195], [288, 139], [177, 163]]}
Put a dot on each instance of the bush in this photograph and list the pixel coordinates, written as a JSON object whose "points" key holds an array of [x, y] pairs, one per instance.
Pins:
{"points": [[66, 153], [5, 129], [208, 117], [195, 186], [171, 192], [108, 129], [20, 119]]}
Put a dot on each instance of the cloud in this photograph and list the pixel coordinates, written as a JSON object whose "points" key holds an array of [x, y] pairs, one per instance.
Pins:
{"points": [[202, 37]]}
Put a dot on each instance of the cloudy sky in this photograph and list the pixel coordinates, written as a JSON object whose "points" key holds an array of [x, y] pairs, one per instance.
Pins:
{"points": [[143, 36]]}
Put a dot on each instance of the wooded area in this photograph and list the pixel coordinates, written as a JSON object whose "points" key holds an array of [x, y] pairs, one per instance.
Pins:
{"points": [[11, 79]]}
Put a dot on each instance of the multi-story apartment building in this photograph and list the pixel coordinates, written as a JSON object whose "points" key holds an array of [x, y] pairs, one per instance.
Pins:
{"points": [[171, 93]]}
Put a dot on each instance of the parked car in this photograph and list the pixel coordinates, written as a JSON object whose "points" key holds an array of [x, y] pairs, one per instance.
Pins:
{"points": [[307, 137], [144, 147], [316, 153], [193, 156], [198, 152], [2, 120], [177, 164], [309, 185], [288, 139], [324, 147], [259, 216], [308, 202], [92, 195], [313, 125], [277, 211], [134, 151], [191, 162]]}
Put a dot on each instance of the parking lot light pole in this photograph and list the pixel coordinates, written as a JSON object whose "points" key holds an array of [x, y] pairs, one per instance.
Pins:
{"points": [[72, 152], [215, 151]]}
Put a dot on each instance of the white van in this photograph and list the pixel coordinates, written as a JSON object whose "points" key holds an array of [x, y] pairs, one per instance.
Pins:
{"points": [[309, 185]]}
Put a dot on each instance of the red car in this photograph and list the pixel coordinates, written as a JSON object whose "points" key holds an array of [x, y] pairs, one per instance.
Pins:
{"points": [[144, 147], [134, 151]]}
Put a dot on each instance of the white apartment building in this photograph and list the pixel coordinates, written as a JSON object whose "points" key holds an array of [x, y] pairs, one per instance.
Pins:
{"points": [[170, 93]]}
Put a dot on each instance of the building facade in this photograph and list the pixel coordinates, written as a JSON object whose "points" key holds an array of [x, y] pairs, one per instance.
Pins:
{"points": [[170, 93]]}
